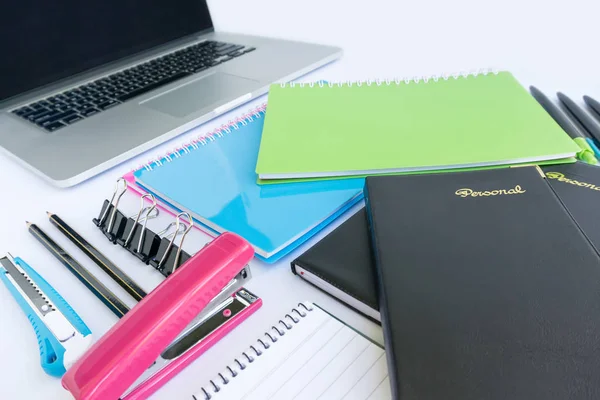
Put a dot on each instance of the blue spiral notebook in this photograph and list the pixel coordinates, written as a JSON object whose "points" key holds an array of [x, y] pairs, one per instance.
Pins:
{"points": [[213, 179]]}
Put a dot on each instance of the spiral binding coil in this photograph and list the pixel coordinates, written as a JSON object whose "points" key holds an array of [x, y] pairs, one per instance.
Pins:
{"points": [[203, 140], [396, 81], [287, 323]]}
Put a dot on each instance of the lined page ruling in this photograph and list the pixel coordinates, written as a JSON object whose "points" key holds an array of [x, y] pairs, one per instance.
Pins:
{"points": [[307, 355]]}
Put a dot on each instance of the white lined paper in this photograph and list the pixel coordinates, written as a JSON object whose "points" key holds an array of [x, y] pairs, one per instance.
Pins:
{"points": [[318, 357]]}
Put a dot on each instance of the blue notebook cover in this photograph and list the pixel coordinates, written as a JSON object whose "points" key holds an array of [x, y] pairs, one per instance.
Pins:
{"points": [[214, 180]]}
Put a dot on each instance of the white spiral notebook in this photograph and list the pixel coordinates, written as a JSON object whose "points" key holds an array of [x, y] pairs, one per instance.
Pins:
{"points": [[308, 354]]}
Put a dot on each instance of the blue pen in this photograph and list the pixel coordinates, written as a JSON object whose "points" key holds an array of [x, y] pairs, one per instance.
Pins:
{"points": [[593, 146], [62, 335]]}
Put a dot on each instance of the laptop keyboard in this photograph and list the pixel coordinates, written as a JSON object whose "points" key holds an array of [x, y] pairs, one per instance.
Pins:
{"points": [[74, 105]]}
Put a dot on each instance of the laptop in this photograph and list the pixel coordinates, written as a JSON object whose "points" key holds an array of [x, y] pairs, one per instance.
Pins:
{"points": [[86, 85]]}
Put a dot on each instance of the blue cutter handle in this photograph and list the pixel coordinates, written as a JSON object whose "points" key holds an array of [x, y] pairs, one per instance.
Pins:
{"points": [[55, 298], [51, 351]]}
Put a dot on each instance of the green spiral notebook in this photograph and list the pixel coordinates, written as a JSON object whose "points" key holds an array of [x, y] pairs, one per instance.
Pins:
{"points": [[325, 130]]}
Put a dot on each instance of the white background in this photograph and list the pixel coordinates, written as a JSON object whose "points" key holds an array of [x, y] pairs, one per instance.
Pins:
{"points": [[550, 44]]}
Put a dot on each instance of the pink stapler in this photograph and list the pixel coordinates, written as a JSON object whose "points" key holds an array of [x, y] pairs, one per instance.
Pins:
{"points": [[169, 328]]}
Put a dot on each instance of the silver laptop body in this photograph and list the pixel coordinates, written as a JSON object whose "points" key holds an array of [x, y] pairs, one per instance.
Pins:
{"points": [[70, 150]]}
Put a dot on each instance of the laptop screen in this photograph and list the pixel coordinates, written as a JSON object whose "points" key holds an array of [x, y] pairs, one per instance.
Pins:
{"points": [[43, 41]]}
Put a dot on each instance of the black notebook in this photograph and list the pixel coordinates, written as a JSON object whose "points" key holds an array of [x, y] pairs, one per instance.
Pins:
{"points": [[341, 265], [487, 287], [578, 186]]}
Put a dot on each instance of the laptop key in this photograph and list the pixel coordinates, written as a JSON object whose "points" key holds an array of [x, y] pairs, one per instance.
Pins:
{"points": [[54, 126], [249, 49], [108, 104], [228, 49], [221, 45], [71, 119], [99, 100], [24, 111], [89, 112], [83, 106], [39, 114], [46, 118], [56, 117]]}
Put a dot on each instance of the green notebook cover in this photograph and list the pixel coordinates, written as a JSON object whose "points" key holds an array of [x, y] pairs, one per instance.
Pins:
{"points": [[332, 130], [558, 161]]}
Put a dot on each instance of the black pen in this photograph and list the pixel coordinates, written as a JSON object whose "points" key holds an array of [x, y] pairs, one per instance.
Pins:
{"points": [[590, 126], [593, 105], [556, 113], [100, 259], [587, 152], [84, 276]]}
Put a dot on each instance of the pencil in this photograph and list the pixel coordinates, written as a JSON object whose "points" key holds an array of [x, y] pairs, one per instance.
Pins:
{"points": [[84, 276], [100, 259]]}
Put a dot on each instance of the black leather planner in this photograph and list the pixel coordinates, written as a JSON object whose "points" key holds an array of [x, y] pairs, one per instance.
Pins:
{"points": [[341, 265], [342, 259], [488, 289], [578, 186]]}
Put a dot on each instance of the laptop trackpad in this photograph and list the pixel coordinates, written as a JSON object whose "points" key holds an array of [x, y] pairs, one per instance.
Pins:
{"points": [[207, 91]]}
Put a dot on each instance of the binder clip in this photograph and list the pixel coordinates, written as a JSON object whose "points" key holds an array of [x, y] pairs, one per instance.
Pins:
{"points": [[136, 238], [153, 240], [170, 256], [112, 221], [132, 233]]}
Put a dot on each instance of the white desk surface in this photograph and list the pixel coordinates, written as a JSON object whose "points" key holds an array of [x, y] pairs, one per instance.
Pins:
{"points": [[550, 44]]}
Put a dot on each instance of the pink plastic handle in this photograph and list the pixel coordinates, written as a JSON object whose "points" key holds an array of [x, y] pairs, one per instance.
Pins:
{"points": [[152, 384], [113, 363]]}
